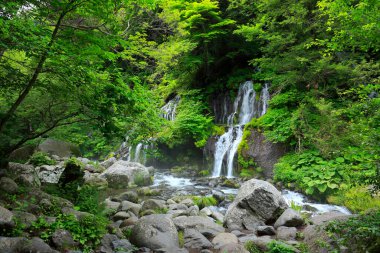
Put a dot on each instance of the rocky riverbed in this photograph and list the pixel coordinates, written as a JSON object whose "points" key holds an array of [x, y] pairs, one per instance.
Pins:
{"points": [[170, 214]]}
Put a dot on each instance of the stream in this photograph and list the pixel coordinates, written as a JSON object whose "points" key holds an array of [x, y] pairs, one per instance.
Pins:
{"points": [[171, 185]]}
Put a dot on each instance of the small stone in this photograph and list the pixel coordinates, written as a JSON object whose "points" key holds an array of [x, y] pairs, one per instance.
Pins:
{"points": [[130, 206], [205, 212], [195, 240], [112, 205], [6, 218], [129, 222], [122, 215], [187, 202]]}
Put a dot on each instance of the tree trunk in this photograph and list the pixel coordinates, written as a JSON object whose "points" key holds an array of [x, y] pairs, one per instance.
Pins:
{"points": [[36, 73]]}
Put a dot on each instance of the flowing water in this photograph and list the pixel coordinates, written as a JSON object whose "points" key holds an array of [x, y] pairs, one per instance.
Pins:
{"points": [[245, 107]]}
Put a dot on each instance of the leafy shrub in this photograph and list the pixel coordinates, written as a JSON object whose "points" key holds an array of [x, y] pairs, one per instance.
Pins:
{"points": [[315, 175], [41, 158], [204, 173], [88, 199], [202, 202], [357, 199], [140, 179], [251, 247], [359, 233], [279, 247]]}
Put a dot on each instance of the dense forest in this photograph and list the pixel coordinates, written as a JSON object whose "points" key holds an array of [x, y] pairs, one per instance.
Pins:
{"points": [[94, 72]]}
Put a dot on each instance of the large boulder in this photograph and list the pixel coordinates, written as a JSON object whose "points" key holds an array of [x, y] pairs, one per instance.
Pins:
{"points": [[59, 148], [22, 154], [256, 204], [50, 173], [24, 174], [204, 225], [155, 231], [6, 218], [9, 186], [121, 173]]}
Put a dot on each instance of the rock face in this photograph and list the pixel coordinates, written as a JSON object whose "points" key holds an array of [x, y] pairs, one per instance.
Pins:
{"points": [[263, 152], [257, 203], [122, 172], [59, 148], [155, 231], [8, 185], [50, 173], [6, 218]]}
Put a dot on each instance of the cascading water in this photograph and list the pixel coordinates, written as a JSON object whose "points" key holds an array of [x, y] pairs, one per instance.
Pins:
{"points": [[138, 154], [246, 107]]}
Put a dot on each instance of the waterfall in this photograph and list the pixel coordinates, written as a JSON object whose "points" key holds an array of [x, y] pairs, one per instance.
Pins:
{"points": [[245, 107], [139, 154]]}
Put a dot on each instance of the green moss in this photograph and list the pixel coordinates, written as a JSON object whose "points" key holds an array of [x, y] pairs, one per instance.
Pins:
{"points": [[202, 202], [204, 173], [218, 130], [41, 158], [181, 239]]}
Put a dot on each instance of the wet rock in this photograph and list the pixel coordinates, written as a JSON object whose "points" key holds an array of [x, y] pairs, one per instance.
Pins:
{"points": [[63, 240], [122, 245], [233, 248], [121, 173], [155, 231], [223, 239], [195, 240], [286, 233], [265, 230], [9, 186], [289, 218], [257, 203], [202, 224], [130, 206], [6, 218]]}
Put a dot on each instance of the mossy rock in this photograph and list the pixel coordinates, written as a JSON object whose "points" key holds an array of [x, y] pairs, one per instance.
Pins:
{"points": [[231, 184]]}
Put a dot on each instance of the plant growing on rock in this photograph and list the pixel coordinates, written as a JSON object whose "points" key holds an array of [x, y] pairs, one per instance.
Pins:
{"points": [[204, 201], [41, 158]]}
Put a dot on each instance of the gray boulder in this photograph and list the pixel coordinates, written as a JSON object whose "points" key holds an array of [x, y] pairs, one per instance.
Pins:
{"points": [[24, 174], [122, 173], [265, 230], [155, 231], [257, 203], [289, 218], [10, 244], [63, 240], [195, 240], [223, 239], [50, 173], [286, 233], [25, 218], [59, 148], [129, 195], [6, 218], [112, 205], [233, 248], [35, 245], [8, 185], [152, 204], [130, 206], [108, 163], [202, 224]]}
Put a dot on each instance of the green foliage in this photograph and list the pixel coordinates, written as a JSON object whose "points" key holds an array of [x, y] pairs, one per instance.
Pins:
{"points": [[140, 179], [181, 238], [315, 175], [279, 247], [218, 130], [357, 199], [204, 201], [359, 233], [204, 173], [251, 247], [88, 230], [41, 158], [161, 210]]}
